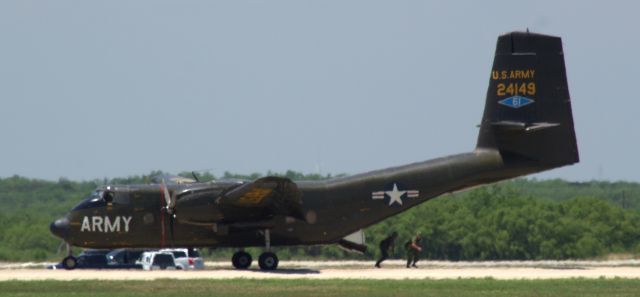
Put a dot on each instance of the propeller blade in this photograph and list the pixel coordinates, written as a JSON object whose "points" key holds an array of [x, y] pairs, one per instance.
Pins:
{"points": [[170, 202], [165, 193], [60, 247], [172, 219], [172, 214], [167, 200]]}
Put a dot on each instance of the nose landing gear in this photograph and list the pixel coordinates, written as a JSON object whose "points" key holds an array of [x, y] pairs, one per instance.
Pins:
{"points": [[69, 262]]}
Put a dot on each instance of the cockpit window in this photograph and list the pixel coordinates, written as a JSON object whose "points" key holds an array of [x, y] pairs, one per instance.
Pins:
{"points": [[95, 195], [95, 199], [105, 196]]}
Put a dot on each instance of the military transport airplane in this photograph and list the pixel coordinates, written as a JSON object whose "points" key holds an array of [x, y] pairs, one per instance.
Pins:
{"points": [[527, 127]]}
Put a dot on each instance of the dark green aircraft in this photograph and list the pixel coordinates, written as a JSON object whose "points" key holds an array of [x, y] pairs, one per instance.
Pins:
{"points": [[527, 127]]}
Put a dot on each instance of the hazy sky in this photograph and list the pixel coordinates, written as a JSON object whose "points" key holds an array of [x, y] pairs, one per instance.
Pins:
{"points": [[93, 89]]}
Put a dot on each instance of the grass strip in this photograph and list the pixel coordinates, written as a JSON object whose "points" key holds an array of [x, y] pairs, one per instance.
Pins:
{"points": [[351, 288]]}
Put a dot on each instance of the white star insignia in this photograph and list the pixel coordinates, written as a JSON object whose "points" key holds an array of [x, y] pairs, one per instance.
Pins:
{"points": [[395, 195]]}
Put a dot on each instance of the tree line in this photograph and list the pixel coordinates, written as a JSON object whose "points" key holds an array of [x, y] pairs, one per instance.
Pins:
{"points": [[522, 219]]}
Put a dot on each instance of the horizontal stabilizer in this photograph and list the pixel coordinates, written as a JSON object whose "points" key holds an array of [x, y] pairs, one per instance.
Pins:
{"points": [[521, 126]]}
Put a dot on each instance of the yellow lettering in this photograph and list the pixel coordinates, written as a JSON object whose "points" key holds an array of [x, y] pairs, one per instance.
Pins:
{"points": [[513, 89], [531, 88], [509, 89], [501, 88], [513, 74], [522, 89]]}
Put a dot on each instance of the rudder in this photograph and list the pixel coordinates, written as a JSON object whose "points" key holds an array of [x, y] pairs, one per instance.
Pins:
{"points": [[527, 115]]}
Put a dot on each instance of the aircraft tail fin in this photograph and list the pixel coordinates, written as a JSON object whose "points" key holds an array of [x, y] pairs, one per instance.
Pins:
{"points": [[527, 115]]}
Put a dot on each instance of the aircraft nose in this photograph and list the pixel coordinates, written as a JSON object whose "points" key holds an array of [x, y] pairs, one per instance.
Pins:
{"points": [[60, 227]]}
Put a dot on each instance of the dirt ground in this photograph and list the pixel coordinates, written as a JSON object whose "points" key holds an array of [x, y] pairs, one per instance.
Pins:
{"points": [[348, 270]]}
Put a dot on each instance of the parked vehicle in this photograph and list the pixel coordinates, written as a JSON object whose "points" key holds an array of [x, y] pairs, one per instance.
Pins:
{"points": [[157, 260], [88, 259], [124, 258], [94, 252], [186, 259]]}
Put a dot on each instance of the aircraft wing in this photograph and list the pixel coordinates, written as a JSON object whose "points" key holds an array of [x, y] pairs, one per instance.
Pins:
{"points": [[262, 199]]}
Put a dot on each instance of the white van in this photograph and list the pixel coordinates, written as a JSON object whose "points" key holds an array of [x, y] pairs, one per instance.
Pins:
{"points": [[157, 260]]}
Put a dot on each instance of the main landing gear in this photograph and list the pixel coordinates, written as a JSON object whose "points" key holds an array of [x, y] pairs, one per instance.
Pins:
{"points": [[266, 261], [241, 260]]}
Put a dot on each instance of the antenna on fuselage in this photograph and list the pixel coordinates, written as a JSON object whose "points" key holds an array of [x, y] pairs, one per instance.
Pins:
{"points": [[193, 173]]}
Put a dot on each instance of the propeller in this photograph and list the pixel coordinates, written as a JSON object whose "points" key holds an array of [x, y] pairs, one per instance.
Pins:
{"points": [[170, 200], [65, 244], [169, 208], [60, 247]]}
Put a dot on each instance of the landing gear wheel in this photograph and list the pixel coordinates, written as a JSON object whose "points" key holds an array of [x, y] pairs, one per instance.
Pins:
{"points": [[241, 260], [268, 261], [69, 263]]}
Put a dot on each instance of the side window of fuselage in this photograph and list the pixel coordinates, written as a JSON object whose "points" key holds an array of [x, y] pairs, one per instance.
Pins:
{"points": [[122, 198], [140, 200]]}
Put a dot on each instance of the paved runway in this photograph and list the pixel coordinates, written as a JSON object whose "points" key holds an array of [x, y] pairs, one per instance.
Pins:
{"points": [[350, 270]]}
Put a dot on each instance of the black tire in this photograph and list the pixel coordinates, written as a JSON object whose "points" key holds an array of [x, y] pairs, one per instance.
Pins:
{"points": [[234, 260], [70, 263], [241, 260], [268, 261]]}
